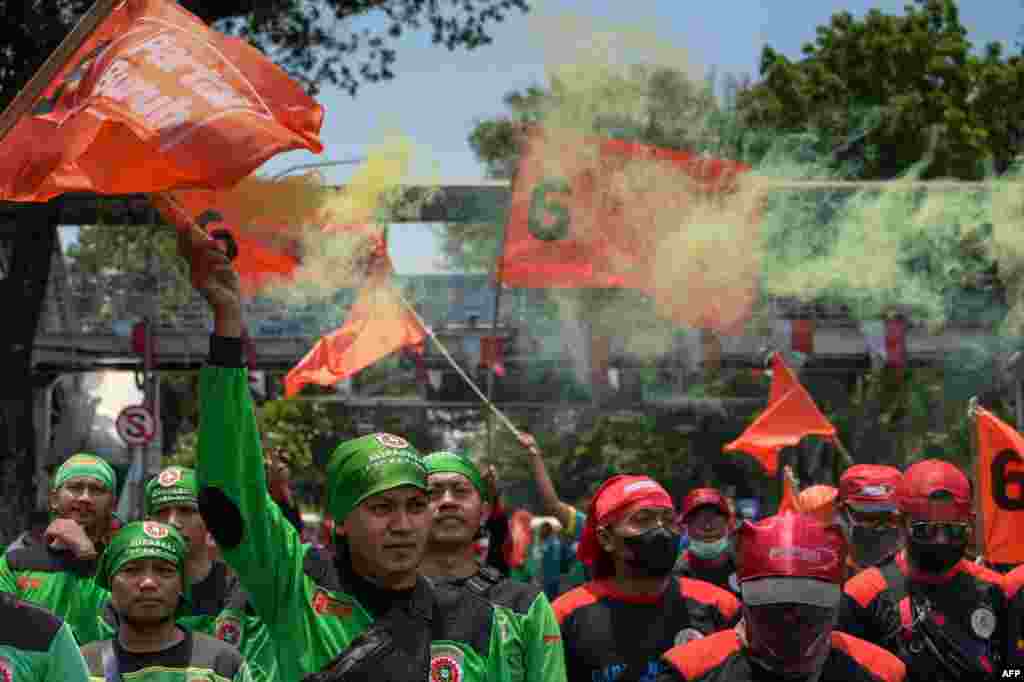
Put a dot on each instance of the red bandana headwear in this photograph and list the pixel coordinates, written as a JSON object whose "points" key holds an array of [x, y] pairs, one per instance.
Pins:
{"points": [[616, 496]]}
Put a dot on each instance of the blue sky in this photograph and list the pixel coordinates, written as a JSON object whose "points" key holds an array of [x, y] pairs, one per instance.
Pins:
{"points": [[437, 96]]}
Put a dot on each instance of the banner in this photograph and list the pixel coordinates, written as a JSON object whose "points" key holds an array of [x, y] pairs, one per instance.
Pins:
{"points": [[154, 100], [1001, 488]]}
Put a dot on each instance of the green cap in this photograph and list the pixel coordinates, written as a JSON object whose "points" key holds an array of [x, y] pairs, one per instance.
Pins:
{"points": [[174, 485], [141, 540], [85, 464], [454, 463], [368, 465]]}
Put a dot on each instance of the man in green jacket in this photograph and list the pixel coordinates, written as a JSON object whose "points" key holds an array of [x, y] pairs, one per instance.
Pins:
{"points": [[144, 570], [368, 615], [460, 503], [59, 574], [36, 646]]}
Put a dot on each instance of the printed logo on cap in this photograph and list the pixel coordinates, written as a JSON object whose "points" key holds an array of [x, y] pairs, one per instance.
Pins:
{"points": [[639, 485], [229, 631], [983, 622], [154, 530], [814, 557], [876, 490], [169, 477], [687, 635], [391, 441], [445, 664], [6, 670]]}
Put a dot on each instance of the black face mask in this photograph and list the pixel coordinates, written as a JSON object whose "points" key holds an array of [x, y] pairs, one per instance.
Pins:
{"points": [[870, 546], [655, 551], [935, 557]]}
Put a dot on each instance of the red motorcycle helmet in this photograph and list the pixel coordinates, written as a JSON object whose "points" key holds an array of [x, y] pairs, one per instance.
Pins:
{"points": [[791, 568]]}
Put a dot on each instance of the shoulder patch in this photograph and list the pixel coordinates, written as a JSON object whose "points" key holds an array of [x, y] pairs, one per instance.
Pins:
{"points": [[573, 600], [883, 664], [697, 657], [865, 586], [709, 594]]}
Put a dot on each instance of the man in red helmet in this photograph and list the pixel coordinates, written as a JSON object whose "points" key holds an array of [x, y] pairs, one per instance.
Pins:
{"points": [[943, 615], [709, 556], [869, 515], [791, 568], [616, 627]]}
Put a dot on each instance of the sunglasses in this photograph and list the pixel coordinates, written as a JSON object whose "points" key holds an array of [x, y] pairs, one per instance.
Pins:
{"points": [[928, 531], [874, 521]]}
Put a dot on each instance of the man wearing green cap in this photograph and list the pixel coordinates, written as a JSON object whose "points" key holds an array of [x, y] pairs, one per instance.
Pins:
{"points": [[144, 570], [368, 615], [59, 574], [460, 504]]}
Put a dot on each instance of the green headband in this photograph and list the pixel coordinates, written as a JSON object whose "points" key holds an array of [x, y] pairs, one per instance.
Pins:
{"points": [[368, 465], [142, 540], [174, 485], [454, 463], [84, 464]]}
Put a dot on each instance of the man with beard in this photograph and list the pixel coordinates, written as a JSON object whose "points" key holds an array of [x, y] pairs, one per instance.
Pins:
{"points": [[144, 569], [869, 515], [791, 568], [708, 556], [942, 614], [59, 574], [368, 615], [617, 626], [460, 503], [171, 497]]}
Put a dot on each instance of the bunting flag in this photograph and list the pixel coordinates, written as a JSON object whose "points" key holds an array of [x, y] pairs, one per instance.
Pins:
{"points": [[378, 324], [787, 419], [886, 342], [492, 354], [1000, 476], [155, 100], [568, 228]]}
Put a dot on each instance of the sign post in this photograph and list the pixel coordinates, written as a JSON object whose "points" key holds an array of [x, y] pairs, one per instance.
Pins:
{"points": [[136, 426]]}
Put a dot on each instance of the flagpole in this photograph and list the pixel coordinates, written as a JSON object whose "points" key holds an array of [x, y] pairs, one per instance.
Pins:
{"points": [[979, 521], [494, 332], [23, 101]]}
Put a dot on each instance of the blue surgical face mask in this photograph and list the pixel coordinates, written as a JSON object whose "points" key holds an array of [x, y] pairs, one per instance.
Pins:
{"points": [[709, 550]]}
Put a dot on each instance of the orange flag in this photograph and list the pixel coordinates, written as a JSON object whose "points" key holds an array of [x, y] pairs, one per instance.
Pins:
{"points": [[783, 379], [790, 501], [783, 424], [1001, 488], [378, 324], [155, 100]]}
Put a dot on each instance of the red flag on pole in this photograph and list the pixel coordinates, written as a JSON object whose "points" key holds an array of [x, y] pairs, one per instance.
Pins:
{"points": [[154, 100], [790, 501], [783, 379], [492, 354], [1001, 488]]}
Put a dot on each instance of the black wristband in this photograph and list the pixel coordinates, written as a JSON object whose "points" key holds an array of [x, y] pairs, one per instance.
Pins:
{"points": [[226, 351]]}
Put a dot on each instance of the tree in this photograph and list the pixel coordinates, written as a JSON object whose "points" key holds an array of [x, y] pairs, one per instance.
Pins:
{"points": [[305, 37], [916, 92]]}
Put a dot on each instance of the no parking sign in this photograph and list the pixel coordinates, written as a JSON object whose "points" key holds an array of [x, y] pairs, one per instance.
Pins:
{"points": [[136, 425]]}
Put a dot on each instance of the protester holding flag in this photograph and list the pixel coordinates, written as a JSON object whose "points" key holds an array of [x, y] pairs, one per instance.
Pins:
{"points": [[943, 615], [460, 502], [791, 569], [869, 515], [371, 616], [144, 569], [59, 574], [620, 623], [709, 555]]}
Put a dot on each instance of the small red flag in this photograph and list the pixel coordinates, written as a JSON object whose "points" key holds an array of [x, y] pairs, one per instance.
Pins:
{"points": [[1001, 488], [492, 354], [783, 379], [790, 501]]}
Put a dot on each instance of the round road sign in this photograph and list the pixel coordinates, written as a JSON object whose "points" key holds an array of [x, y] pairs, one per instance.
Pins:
{"points": [[136, 425]]}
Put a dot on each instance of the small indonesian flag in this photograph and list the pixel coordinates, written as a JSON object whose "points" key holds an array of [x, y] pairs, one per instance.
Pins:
{"points": [[886, 342]]}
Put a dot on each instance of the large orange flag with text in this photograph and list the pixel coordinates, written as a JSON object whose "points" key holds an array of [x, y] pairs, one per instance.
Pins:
{"points": [[1000, 488], [154, 100]]}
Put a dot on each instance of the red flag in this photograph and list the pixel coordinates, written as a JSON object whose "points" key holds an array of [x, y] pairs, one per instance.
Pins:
{"points": [[784, 423], [492, 354], [896, 343], [790, 501], [802, 332], [378, 324], [567, 228], [155, 100], [1001, 488], [517, 545]]}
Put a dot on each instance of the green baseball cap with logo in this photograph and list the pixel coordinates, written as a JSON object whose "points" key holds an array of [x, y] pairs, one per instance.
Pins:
{"points": [[366, 466], [173, 486]]}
